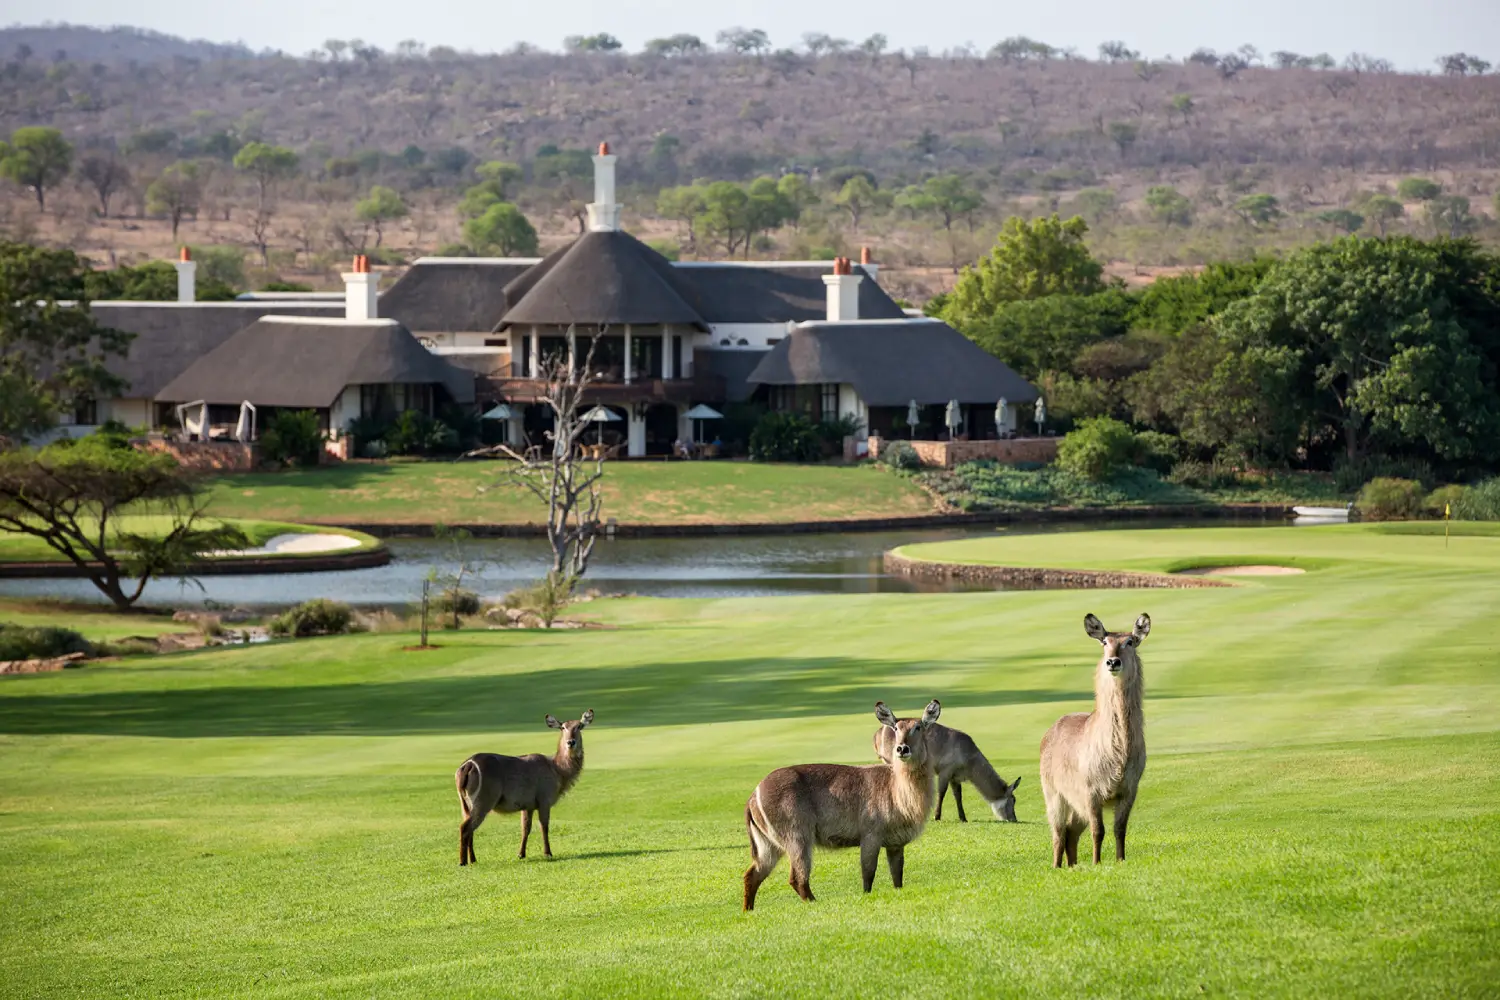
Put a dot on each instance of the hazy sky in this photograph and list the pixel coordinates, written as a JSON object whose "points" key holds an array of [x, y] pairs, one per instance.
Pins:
{"points": [[1409, 33]]}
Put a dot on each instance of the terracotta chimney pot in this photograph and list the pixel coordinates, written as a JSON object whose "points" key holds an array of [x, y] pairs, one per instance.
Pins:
{"points": [[184, 254], [603, 149]]}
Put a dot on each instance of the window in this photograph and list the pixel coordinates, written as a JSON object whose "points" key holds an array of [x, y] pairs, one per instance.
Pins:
{"points": [[829, 402], [85, 411], [772, 341], [495, 342]]}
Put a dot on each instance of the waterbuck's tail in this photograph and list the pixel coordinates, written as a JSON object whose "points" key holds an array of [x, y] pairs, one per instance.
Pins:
{"points": [[467, 779], [763, 846]]}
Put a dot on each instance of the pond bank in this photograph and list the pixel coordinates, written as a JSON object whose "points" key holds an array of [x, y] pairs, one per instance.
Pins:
{"points": [[323, 562], [1052, 515], [1042, 578]]}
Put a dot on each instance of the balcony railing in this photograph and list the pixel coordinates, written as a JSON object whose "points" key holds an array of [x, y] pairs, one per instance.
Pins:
{"points": [[505, 385]]}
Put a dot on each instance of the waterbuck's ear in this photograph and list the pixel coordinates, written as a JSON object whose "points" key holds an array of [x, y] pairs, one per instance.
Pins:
{"points": [[587, 718], [1142, 628], [1095, 628], [884, 715], [931, 712], [552, 722], [1015, 784]]}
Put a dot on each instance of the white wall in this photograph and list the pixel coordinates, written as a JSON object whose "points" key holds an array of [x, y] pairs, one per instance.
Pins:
{"points": [[130, 412], [344, 409], [850, 405], [759, 335]]}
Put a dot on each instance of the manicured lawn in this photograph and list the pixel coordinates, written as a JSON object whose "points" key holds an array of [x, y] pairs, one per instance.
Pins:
{"points": [[93, 623], [1320, 815], [17, 547], [635, 492]]}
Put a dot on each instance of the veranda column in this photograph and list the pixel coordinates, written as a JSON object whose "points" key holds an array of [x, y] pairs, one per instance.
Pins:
{"points": [[572, 355], [627, 354], [534, 363], [666, 353]]}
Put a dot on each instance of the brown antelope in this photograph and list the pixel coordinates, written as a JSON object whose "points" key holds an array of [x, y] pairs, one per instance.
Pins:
{"points": [[837, 805], [955, 758], [492, 782], [1095, 759]]}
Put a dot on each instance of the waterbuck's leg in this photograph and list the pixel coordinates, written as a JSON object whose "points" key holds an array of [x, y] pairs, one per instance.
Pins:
{"points": [[1059, 839], [895, 858], [544, 813], [958, 800], [1122, 817], [463, 841], [869, 858], [1071, 846], [800, 855], [942, 794], [764, 858], [466, 836], [525, 829], [1096, 829]]}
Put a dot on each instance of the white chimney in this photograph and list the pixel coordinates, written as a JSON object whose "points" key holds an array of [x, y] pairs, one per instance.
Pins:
{"points": [[187, 276], [843, 291], [868, 265], [604, 214], [361, 287]]}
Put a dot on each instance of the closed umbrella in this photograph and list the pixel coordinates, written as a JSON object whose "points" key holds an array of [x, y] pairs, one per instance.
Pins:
{"points": [[913, 417], [1002, 410], [244, 428], [953, 418], [1041, 413]]}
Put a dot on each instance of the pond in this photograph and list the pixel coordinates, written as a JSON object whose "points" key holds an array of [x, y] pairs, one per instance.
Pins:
{"points": [[721, 566]]}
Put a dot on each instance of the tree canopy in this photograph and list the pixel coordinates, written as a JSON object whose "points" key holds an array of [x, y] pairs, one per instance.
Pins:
{"points": [[503, 231], [1030, 260], [37, 158]]}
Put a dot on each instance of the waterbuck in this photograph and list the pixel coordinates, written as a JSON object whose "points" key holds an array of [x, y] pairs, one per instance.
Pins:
{"points": [[1095, 759], [837, 805], [955, 759], [492, 782]]}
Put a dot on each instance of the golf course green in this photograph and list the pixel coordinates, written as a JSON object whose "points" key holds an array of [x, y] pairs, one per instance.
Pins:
{"points": [[1320, 815]]}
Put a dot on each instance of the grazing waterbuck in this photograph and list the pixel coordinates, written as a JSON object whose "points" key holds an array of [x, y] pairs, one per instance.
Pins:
{"points": [[1095, 759], [838, 805], [956, 758], [492, 782]]}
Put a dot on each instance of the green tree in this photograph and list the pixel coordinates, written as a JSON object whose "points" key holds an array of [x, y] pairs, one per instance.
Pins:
{"points": [[1418, 189], [768, 209], [175, 193], [1382, 209], [1174, 305], [1258, 209], [1045, 334], [799, 194], [1124, 135], [382, 206], [1391, 342], [743, 41], [1030, 260], [1342, 219], [857, 197], [602, 42], [51, 355], [1169, 206], [948, 198], [683, 205], [1450, 216], [106, 175], [37, 158], [675, 45], [1181, 104], [1095, 204], [504, 231], [72, 494], [726, 215], [267, 165]]}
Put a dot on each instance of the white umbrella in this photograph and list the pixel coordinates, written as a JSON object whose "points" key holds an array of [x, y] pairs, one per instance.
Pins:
{"points": [[913, 417], [190, 426], [499, 412], [1041, 413], [244, 429], [700, 413], [953, 417], [600, 415], [1001, 412]]}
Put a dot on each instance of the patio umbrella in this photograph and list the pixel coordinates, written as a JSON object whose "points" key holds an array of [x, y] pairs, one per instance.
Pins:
{"points": [[600, 415], [1041, 413], [700, 413], [913, 417], [244, 429], [953, 417], [1002, 410], [499, 412]]}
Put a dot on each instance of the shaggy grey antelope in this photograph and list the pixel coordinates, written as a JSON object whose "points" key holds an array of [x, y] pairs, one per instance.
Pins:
{"points": [[1095, 759], [837, 805], [492, 782], [955, 759]]}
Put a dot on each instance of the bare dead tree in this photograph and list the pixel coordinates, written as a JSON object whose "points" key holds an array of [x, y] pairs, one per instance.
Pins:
{"points": [[558, 474]]}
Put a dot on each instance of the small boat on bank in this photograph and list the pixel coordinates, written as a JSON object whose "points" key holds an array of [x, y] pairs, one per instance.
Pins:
{"points": [[1323, 513]]}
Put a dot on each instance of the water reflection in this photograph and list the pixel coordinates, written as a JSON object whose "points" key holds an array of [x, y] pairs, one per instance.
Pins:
{"points": [[724, 566]]}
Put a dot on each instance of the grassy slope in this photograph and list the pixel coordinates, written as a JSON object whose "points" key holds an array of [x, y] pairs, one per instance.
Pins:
{"points": [[1319, 816], [635, 492], [16, 547]]}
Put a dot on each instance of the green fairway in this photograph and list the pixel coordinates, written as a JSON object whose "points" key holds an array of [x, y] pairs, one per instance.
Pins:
{"points": [[634, 493], [1320, 815], [16, 547]]}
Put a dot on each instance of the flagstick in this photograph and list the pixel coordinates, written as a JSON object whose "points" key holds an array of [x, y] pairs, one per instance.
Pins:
{"points": [[1447, 516]]}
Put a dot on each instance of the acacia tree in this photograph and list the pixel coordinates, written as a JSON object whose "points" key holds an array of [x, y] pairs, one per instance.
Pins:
{"points": [[267, 165], [73, 494], [37, 158], [384, 205], [567, 483], [105, 175], [502, 229], [175, 193], [950, 199]]}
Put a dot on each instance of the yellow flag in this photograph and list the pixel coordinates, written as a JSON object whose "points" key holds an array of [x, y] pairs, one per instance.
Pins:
{"points": [[1447, 510]]}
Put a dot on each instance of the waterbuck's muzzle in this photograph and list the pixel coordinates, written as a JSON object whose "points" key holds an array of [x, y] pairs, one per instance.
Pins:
{"points": [[1113, 663], [572, 743], [903, 751]]}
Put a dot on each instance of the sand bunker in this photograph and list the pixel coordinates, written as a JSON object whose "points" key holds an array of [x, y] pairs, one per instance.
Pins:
{"points": [[281, 544], [1241, 571]]}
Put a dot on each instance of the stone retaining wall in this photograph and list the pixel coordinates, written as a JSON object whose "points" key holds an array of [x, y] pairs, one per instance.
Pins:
{"points": [[249, 565], [947, 454], [217, 456], [1038, 578]]}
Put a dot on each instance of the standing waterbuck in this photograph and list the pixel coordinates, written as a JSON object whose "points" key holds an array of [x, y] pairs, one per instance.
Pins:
{"points": [[492, 782], [1095, 759], [955, 758], [837, 805]]}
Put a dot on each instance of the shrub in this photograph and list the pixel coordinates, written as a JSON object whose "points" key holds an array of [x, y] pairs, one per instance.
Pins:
{"points": [[1445, 497], [1350, 476], [40, 642], [834, 431], [467, 602], [1155, 450], [292, 437], [1480, 502], [1204, 475], [784, 437], [900, 455], [1388, 499], [316, 617], [415, 433], [1097, 449]]}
